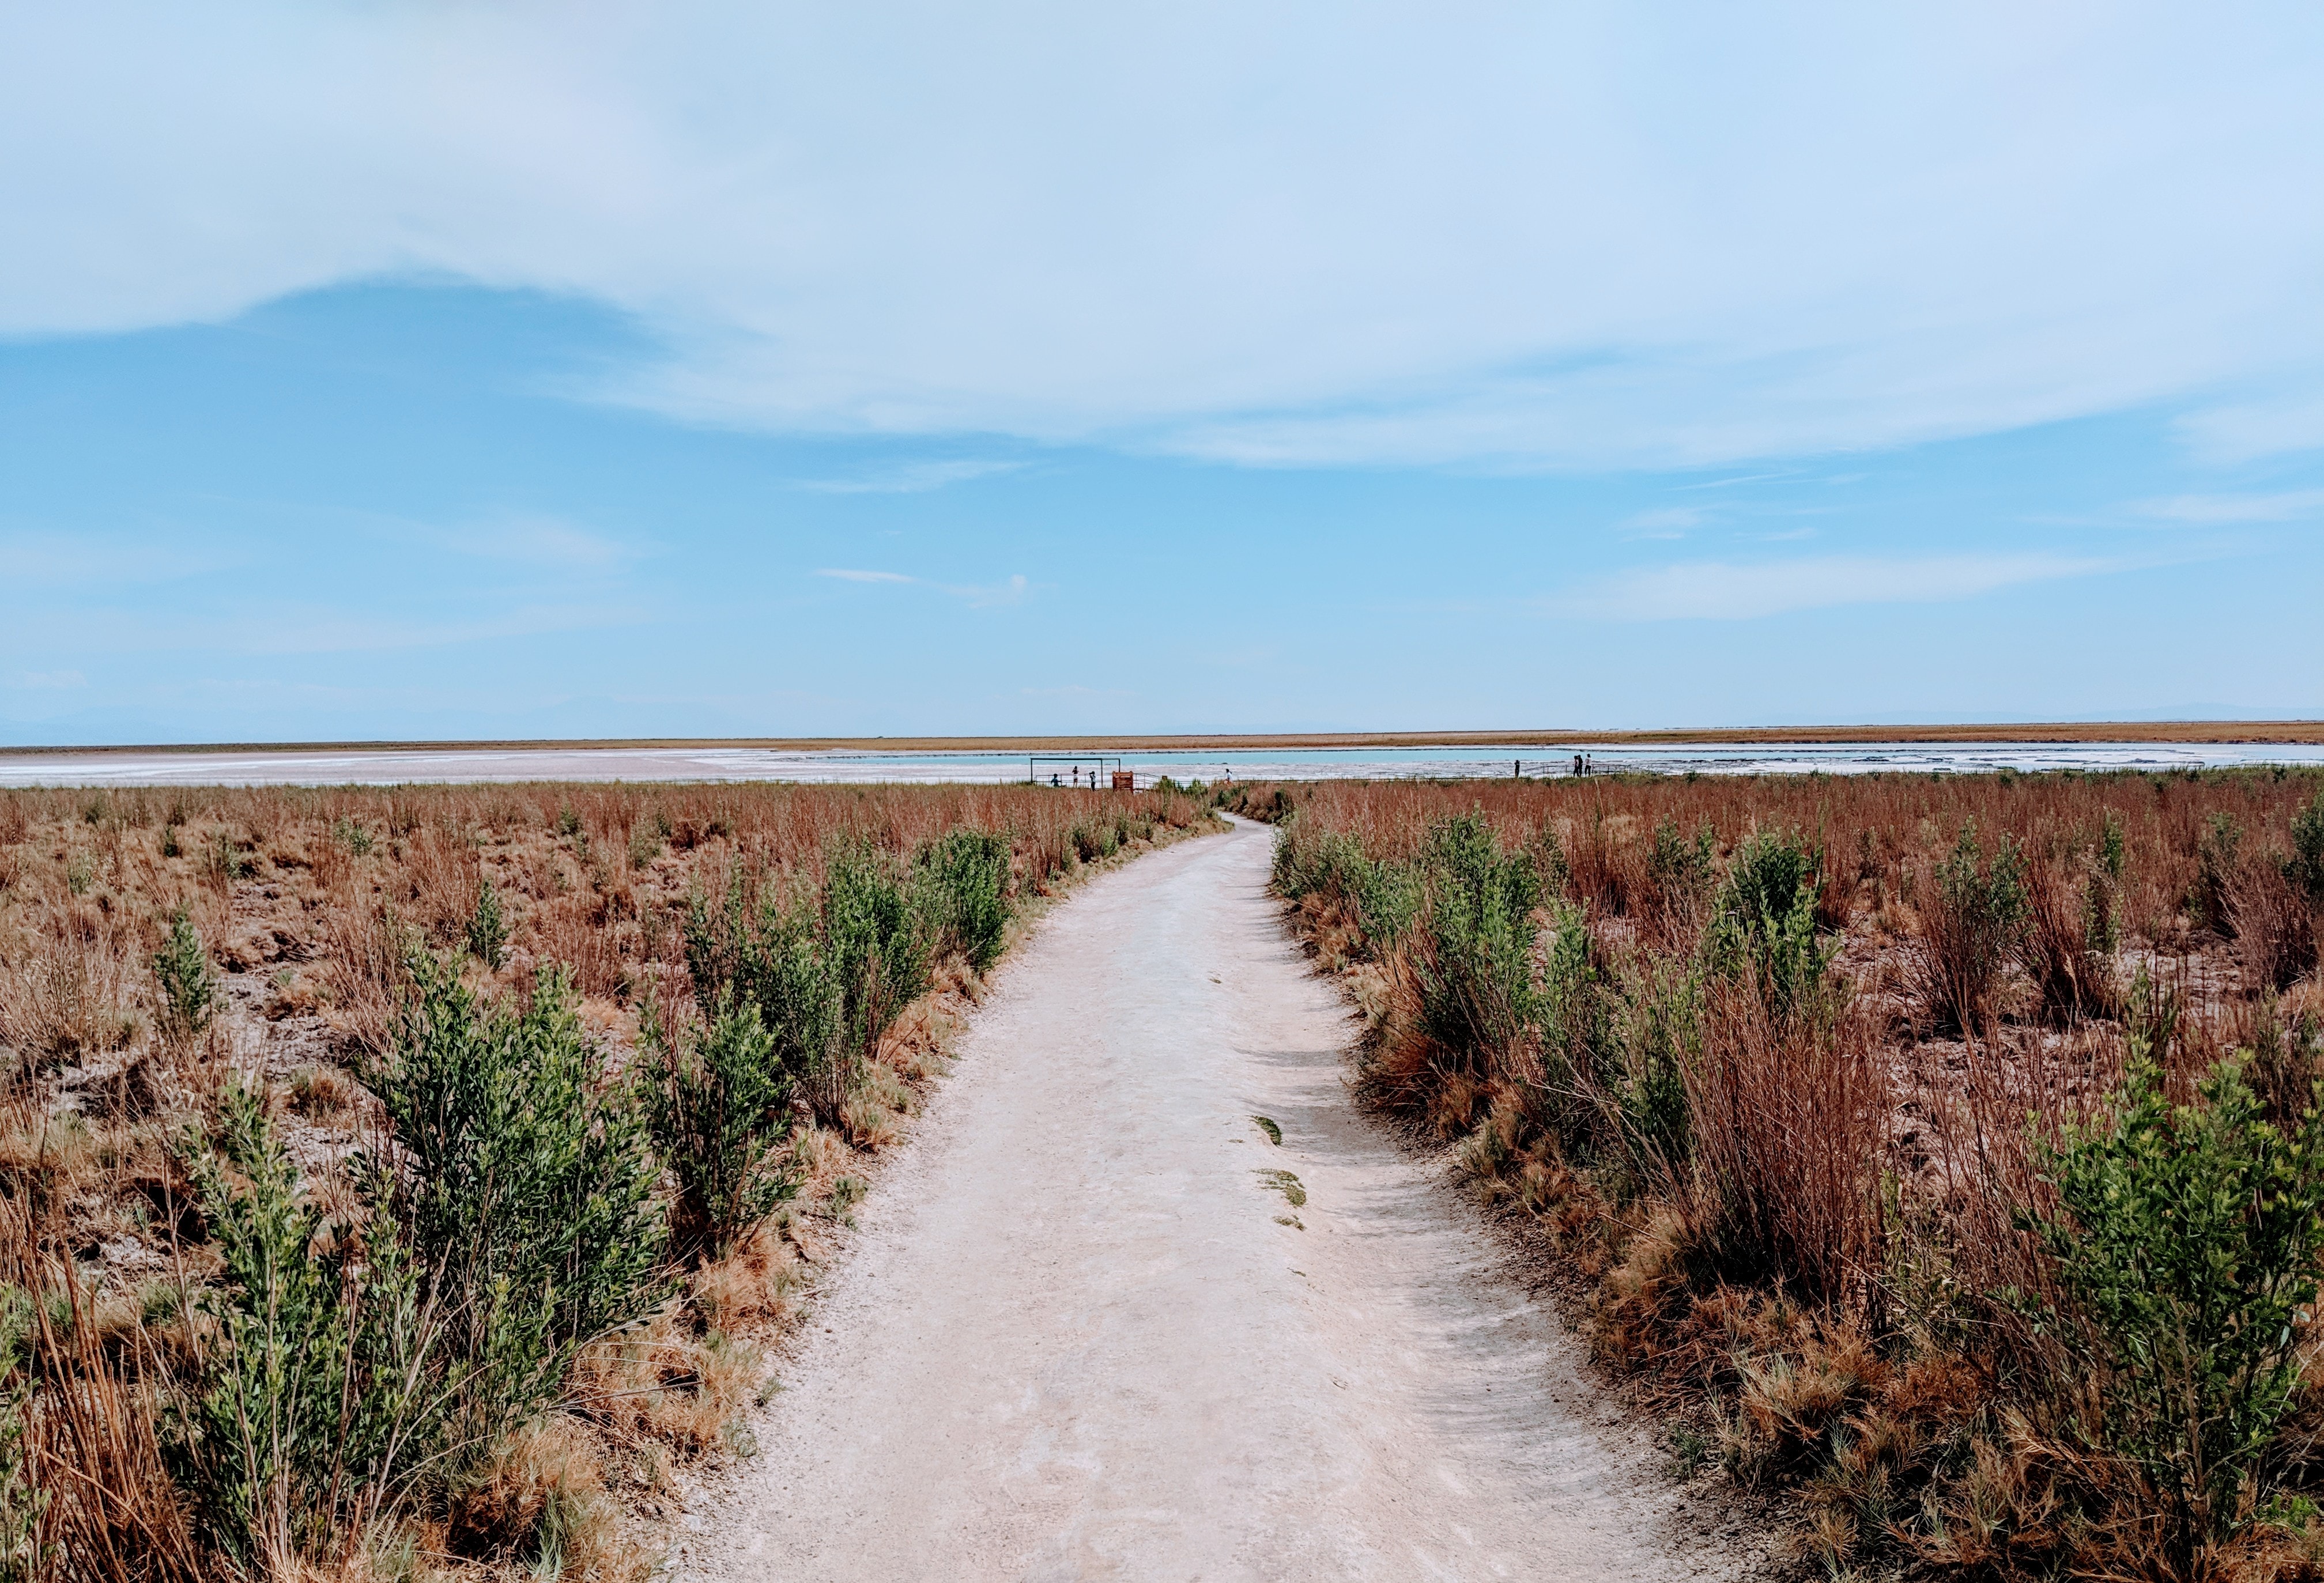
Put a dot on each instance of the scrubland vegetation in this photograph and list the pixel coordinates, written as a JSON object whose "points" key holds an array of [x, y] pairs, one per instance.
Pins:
{"points": [[1944, 1150], [407, 1184]]}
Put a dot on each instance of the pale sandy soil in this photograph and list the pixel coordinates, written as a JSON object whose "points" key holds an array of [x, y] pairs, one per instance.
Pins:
{"points": [[1075, 1341]]}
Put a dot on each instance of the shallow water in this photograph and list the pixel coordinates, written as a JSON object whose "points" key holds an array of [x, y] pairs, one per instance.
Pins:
{"points": [[392, 767]]}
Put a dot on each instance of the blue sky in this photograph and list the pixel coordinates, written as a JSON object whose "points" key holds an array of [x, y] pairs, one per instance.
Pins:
{"points": [[391, 371]]}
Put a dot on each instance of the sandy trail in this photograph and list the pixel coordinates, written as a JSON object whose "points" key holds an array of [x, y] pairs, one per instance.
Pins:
{"points": [[1074, 1342]]}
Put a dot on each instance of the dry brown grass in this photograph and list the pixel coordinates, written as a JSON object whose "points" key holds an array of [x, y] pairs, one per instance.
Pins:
{"points": [[309, 902]]}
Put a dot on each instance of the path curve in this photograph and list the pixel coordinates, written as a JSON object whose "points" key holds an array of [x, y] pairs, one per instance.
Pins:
{"points": [[1073, 1340]]}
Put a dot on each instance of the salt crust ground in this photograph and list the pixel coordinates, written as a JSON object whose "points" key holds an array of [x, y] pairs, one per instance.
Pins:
{"points": [[1076, 1339]]}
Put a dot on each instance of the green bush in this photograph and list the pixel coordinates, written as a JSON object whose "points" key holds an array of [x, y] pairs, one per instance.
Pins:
{"points": [[2187, 1239], [523, 1179], [313, 1408], [188, 989], [1762, 924], [2304, 869], [1473, 940], [488, 931], [719, 1111], [1763, 881], [965, 880], [1661, 1042], [1681, 871], [1571, 1012], [827, 982], [1971, 929]]}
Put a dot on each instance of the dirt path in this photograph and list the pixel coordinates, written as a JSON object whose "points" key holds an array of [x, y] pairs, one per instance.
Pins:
{"points": [[1075, 1342]]}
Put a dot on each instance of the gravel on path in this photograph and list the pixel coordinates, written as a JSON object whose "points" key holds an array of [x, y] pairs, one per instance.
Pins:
{"points": [[1084, 1332]]}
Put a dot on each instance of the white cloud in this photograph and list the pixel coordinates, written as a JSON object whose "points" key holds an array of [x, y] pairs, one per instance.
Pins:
{"points": [[1014, 590], [540, 541], [2205, 509], [1722, 591], [41, 681], [1668, 522], [2242, 430], [1599, 235], [911, 478]]}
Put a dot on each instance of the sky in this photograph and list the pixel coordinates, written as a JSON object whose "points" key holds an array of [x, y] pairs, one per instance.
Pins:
{"points": [[420, 371]]}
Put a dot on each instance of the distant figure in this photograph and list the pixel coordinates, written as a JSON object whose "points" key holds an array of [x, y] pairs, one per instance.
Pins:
{"points": [[1577, 764], [1053, 777]]}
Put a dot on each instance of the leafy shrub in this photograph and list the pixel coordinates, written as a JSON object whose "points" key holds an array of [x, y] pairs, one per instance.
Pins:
{"points": [[2304, 869], [311, 1411], [1472, 947], [2187, 1239], [1971, 929], [488, 931], [719, 1110], [1383, 897], [523, 1177], [826, 982], [188, 989], [1571, 1014], [775, 961], [1763, 924], [1661, 1041], [1680, 872], [966, 890], [876, 944]]}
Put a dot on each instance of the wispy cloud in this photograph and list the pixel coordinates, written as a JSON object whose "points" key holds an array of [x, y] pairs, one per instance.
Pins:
{"points": [[1013, 590], [911, 478], [1669, 523], [541, 541], [41, 681], [1724, 591], [2205, 509]]}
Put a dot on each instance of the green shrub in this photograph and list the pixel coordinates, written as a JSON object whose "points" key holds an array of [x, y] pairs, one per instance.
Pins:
{"points": [[646, 840], [2187, 1239], [1971, 929], [2304, 869], [741, 955], [965, 894], [1762, 924], [826, 982], [523, 1179], [1661, 1043], [221, 863], [488, 931], [876, 942], [188, 989], [312, 1410], [1681, 871], [1472, 942], [1572, 1013], [719, 1111], [1763, 881], [1383, 897]]}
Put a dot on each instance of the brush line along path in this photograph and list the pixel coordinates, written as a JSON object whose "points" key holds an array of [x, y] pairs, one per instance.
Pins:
{"points": [[1084, 1332]]}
